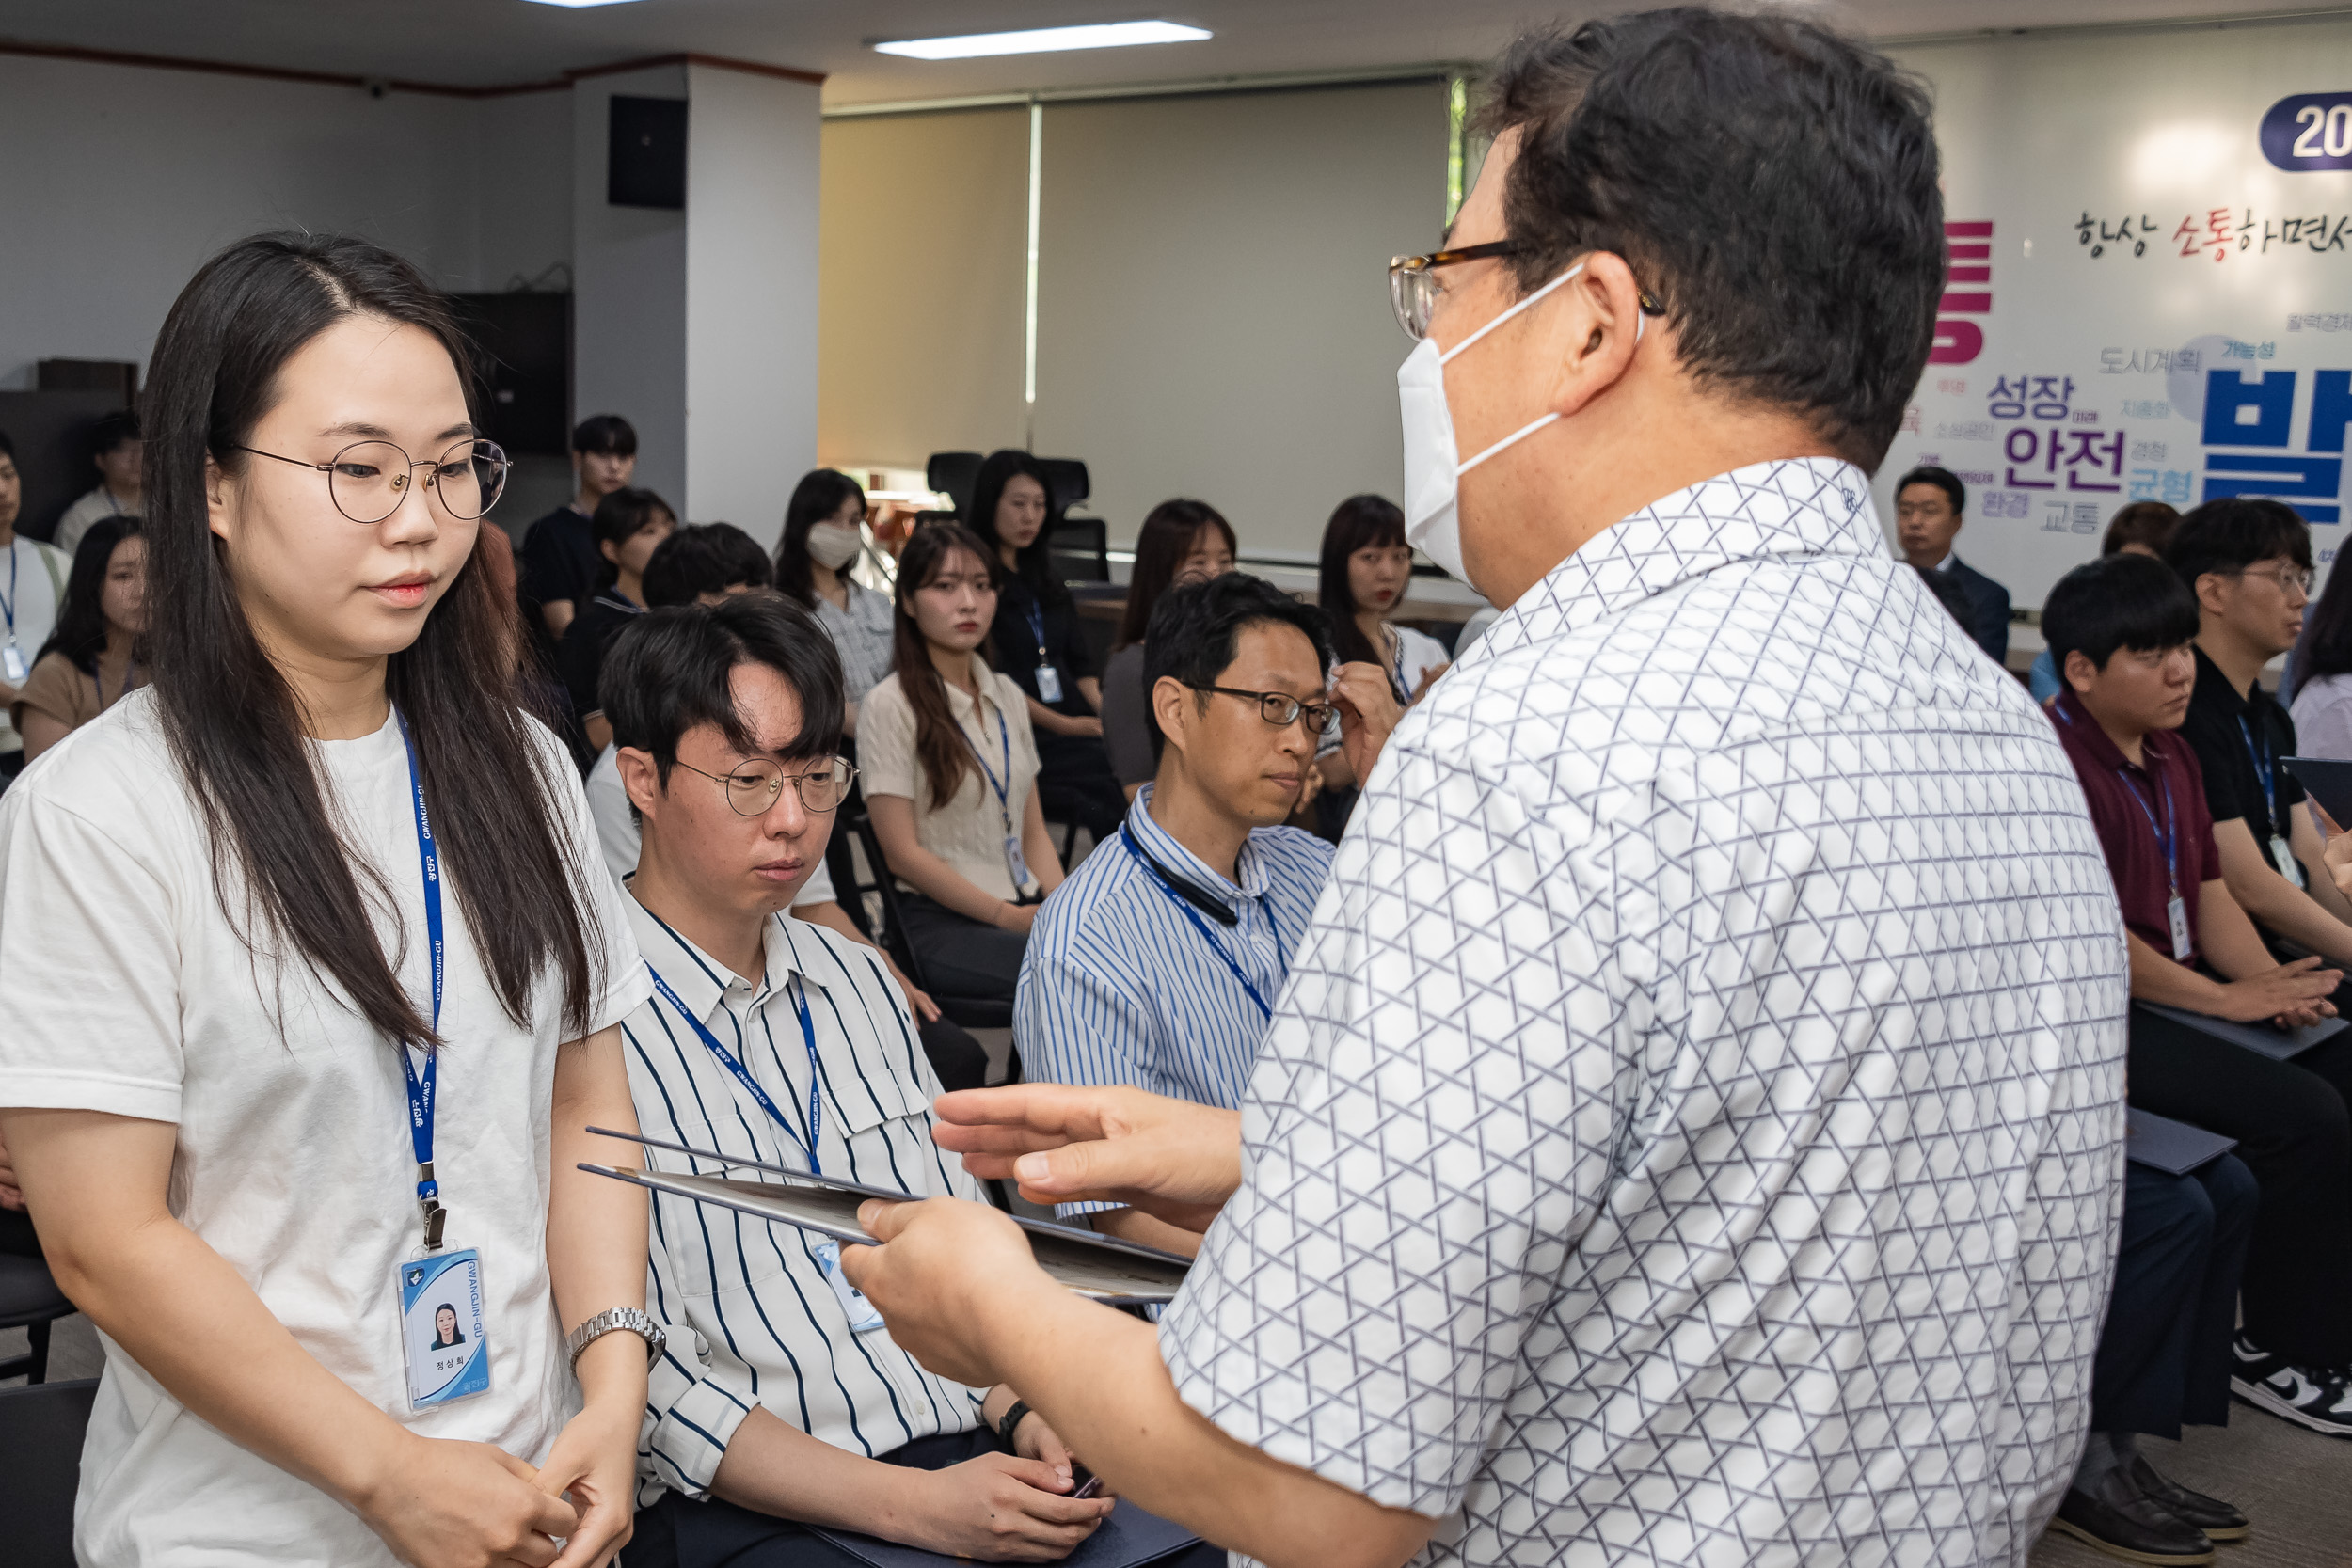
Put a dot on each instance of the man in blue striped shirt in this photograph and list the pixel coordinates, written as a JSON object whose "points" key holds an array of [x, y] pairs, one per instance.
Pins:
{"points": [[1157, 963]]}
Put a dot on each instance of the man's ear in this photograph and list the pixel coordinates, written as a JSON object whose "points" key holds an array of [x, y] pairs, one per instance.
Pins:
{"points": [[640, 777], [2080, 671], [1592, 335], [2212, 597], [1170, 708]]}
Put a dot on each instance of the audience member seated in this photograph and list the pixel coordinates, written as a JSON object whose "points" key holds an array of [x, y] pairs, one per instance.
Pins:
{"points": [[1929, 504], [2120, 629], [1037, 641], [951, 772], [820, 543], [2143, 528], [115, 452], [90, 662], [561, 563], [2249, 563], [2321, 672], [1366, 568], [34, 575], [628, 527], [779, 1404], [1158, 962], [1181, 541]]}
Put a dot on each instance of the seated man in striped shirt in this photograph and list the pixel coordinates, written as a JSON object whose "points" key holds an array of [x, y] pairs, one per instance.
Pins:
{"points": [[1157, 962], [781, 1401]]}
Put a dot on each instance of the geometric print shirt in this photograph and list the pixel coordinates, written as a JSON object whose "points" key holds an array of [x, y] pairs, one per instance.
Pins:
{"points": [[751, 1317], [1691, 1130]]}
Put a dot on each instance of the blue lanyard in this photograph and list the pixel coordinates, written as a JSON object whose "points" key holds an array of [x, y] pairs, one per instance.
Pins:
{"points": [[1037, 629], [1004, 790], [7, 606], [1127, 837], [2261, 770], [420, 1088], [742, 1074], [2167, 836]]}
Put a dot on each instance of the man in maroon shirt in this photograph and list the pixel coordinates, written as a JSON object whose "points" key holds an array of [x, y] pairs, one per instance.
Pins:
{"points": [[2119, 631]]}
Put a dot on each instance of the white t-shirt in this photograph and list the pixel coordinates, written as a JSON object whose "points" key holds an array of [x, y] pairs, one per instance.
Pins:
{"points": [[619, 837], [127, 991], [38, 573], [95, 507]]}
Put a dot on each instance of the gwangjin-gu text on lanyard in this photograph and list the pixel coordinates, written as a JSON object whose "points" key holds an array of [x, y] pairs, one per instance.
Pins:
{"points": [[1161, 876], [2281, 853], [1016, 862], [2168, 840]]}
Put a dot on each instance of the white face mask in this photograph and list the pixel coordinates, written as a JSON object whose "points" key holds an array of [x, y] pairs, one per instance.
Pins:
{"points": [[834, 546], [1432, 474]]}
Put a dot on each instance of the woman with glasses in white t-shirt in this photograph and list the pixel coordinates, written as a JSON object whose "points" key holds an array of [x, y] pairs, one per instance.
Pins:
{"points": [[311, 978]]}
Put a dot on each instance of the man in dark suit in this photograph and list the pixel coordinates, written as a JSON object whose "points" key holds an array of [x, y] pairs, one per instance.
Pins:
{"points": [[1929, 504]]}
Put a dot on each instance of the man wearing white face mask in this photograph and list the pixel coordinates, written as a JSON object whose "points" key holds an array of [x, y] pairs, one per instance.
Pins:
{"points": [[1690, 1132]]}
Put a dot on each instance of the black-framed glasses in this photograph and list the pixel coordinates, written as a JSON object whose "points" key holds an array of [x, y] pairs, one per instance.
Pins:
{"points": [[368, 480], [753, 787], [1413, 282], [1282, 710]]}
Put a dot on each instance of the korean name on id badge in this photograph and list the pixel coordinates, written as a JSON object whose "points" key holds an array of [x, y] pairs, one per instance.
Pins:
{"points": [[441, 1328], [1048, 685]]}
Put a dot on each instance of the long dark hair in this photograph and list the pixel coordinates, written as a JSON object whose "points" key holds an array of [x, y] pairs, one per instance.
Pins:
{"points": [[1160, 544], [2325, 647], [81, 630], [235, 724], [1033, 565], [1356, 523], [817, 497], [943, 752]]}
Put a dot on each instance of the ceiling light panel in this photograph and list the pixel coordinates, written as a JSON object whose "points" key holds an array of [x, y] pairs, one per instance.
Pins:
{"points": [[1039, 41]]}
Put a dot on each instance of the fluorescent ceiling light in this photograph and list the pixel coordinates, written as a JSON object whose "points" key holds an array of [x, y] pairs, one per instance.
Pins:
{"points": [[1037, 40], [578, 5]]}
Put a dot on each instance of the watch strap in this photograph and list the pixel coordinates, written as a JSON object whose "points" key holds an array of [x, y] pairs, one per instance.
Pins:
{"points": [[1010, 1422], [610, 1321]]}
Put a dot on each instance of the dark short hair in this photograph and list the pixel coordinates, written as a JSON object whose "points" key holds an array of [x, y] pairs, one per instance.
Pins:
{"points": [[669, 669], [1942, 478], [1772, 183], [2237, 531], [2116, 601], [2147, 524], [112, 431], [7, 448], [1198, 625], [704, 558], [606, 434], [620, 517]]}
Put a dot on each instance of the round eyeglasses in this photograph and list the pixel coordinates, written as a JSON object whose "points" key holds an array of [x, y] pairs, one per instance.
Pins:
{"points": [[753, 788], [1282, 710], [368, 480]]}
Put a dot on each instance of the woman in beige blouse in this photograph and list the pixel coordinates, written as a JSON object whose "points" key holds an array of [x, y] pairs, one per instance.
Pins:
{"points": [[88, 663], [950, 775]]}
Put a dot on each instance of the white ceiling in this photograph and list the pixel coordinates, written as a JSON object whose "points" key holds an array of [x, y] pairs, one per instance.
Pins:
{"points": [[481, 42]]}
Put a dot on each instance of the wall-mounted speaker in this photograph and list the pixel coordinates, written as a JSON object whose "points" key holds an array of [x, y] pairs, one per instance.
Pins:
{"points": [[647, 161]]}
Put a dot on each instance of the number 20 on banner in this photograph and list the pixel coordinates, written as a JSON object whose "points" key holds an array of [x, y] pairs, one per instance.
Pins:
{"points": [[2309, 131]]}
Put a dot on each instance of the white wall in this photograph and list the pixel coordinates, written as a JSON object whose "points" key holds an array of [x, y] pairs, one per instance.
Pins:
{"points": [[123, 180], [752, 154]]}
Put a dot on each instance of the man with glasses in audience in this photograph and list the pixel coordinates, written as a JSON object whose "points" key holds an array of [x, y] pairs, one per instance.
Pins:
{"points": [[1157, 963], [780, 1403]]}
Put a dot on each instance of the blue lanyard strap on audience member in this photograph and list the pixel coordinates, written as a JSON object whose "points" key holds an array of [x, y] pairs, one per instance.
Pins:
{"points": [[1003, 790], [2167, 836], [2261, 757], [7, 606], [421, 1087], [742, 1076], [1160, 877], [1037, 629]]}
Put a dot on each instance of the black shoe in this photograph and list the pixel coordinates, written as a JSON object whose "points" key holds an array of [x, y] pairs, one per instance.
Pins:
{"points": [[2314, 1397], [2217, 1518], [2113, 1517]]}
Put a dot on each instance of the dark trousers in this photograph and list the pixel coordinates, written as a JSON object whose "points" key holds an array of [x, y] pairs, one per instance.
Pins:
{"points": [[677, 1532], [960, 957], [2293, 1135], [2163, 1356], [1075, 784], [960, 1061], [16, 1234]]}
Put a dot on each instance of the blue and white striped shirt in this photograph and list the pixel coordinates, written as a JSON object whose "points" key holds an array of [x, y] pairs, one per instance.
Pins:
{"points": [[1124, 983], [750, 1315]]}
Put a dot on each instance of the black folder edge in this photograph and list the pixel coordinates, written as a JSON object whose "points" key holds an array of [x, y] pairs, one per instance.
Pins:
{"points": [[2174, 1147], [1045, 1230], [2279, 1045], [1162, 1538], [2328, 781]]}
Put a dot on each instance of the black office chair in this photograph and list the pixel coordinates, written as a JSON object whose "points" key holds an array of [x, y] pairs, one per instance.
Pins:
{"points": [[29, 1300], [889, 932], [40, 1437], [954, 474]]}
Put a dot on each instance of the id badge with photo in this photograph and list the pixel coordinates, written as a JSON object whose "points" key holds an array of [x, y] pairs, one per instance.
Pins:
{"points": [[12, 668], [441, 1331], [1017, 863], [1048, 685], [2282, 856], [862, 1318], [2182, 944]]}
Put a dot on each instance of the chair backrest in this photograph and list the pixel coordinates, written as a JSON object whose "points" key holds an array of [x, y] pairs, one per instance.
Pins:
{"points": [[954, 472], [1081, 550], [892, 937], [1066, 482], [40, 1469]]}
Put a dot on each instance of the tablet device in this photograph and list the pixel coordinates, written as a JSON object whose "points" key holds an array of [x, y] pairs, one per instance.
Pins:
{"points": [[2279, 1045], [2328, 781], [2171, 1146]]}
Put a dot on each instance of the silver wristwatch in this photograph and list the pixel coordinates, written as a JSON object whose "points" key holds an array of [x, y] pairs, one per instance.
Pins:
{"points": [[606, 1323]]}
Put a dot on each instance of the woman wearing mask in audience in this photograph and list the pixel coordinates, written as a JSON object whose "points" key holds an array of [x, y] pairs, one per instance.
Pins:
{"points": [[1040, 645], [1181, 541], [90, 662], [949, 773], [1366, 568], [629, 526], [326, 896], [812, 558], [2143, 528]]}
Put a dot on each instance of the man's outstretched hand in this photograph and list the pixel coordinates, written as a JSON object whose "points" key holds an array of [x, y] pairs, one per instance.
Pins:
{"points": [[1169, 1158]]}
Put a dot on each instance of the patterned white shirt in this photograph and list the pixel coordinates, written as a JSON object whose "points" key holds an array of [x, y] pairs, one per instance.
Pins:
{"points": [[1691, 1133], [751, 1317], [861, 635]]}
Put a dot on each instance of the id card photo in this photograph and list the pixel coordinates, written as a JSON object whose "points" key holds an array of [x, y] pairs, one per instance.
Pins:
{"points": [[441, 1328]]}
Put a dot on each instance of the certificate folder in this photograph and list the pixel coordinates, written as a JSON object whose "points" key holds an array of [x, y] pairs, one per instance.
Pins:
{"points": [[1119, 1273], [2279, 1045], [2171, 1146], [1129, 1538]]}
